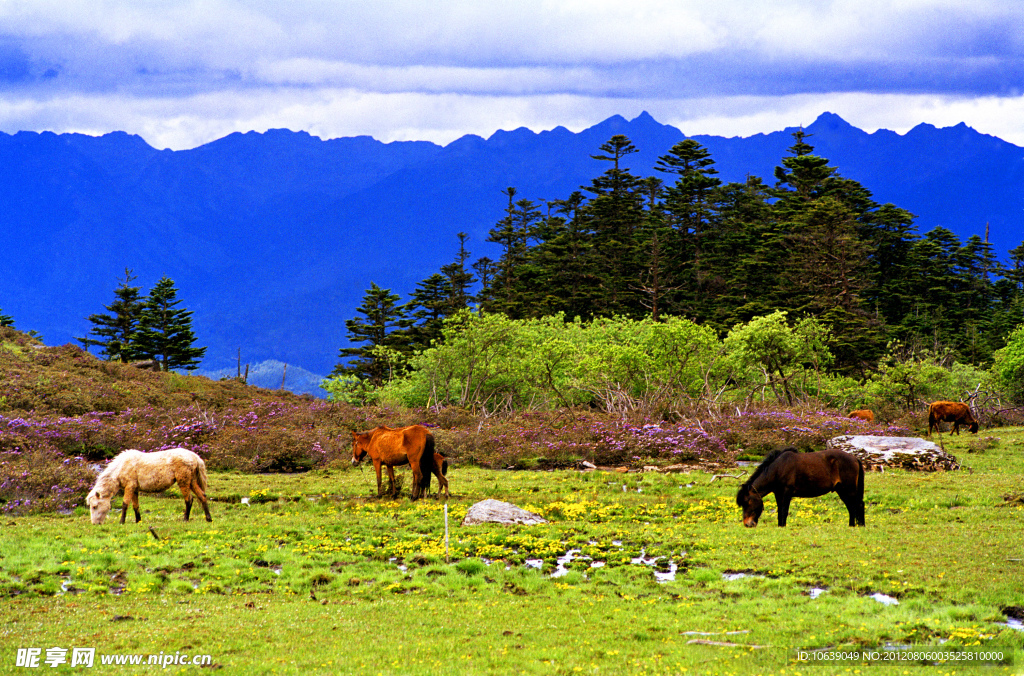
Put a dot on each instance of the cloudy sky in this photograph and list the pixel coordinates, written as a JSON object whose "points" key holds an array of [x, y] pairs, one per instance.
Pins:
{"points": [[183, 73]]}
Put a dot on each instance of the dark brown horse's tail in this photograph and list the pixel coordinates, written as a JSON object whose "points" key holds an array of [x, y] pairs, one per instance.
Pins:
{"points": [[427, 462]]}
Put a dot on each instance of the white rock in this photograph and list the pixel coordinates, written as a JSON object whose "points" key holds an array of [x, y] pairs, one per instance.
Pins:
{"points": [[902, 452], [496, 511]]}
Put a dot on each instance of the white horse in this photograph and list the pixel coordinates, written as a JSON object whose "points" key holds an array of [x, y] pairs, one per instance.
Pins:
{"points": [[134, 471]]}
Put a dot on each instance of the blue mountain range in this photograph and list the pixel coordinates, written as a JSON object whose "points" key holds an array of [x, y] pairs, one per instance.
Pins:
{"points": [[272, 239]]}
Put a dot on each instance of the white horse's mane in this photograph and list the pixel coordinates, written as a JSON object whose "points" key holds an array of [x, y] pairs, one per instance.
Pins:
{"points": [[107, 481]]}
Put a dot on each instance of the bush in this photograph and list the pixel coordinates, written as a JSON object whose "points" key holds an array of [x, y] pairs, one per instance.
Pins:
{"points": [[34, 479], [1008, 368], [910, 379], [758, 431]]}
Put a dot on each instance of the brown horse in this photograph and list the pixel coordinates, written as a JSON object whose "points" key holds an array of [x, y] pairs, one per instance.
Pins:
{"points": [[413, 446], [790, 474], [951, 411], [133, 471]]}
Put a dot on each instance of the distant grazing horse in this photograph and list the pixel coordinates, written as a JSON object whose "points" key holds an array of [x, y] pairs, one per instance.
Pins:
{"points": [[133, 471], [790, 474], [413, 446], [863, 414], [441, 464], [951, 411]]}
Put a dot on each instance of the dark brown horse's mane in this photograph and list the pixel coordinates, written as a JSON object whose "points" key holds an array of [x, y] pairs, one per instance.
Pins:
{"points": [[765, 464]]}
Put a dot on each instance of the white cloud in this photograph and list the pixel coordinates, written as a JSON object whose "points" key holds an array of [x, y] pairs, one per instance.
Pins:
{"points": [[183, 73]]}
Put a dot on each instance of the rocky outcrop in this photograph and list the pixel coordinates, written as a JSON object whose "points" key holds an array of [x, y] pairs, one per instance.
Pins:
{"points": [[901, 452], [496, 511]]}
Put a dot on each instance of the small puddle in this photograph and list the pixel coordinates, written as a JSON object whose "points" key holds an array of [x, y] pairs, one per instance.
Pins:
{"points": [[1013, 623], [815, 592], [668, 575], [562, 564], [885, 600], [566, 559], [573, 554], [659, 575], [738, 575]]}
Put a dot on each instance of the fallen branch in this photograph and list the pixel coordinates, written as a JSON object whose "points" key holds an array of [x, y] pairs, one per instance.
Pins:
{"points": [[715, 633], [727, 476], [724, 644], [154, 533]]}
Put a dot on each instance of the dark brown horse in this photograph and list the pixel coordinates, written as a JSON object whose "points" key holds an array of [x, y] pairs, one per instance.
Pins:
{"points": [[440, 470], [790, 474], [413, 446]]}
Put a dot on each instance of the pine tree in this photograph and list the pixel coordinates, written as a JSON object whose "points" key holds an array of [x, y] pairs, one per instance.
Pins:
{"points": [[932, 288], [460, 280], [827, 275], [512, 233], [655, 237], [802, 178], [115, 333], [614, 216], [689, 204], [426, 311], [1014, 274], [486, 270], [556, 276], [1008, 293], [891, 234], [382, 332], [164, 331], [978, 336], [747, 250], [6, 320]]}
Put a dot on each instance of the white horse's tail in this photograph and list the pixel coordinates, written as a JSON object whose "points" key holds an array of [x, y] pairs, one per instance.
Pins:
{"points": [[200, 473]]}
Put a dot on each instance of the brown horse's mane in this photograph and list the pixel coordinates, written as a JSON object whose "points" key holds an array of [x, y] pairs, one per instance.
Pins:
{"points": [[765, 464]]}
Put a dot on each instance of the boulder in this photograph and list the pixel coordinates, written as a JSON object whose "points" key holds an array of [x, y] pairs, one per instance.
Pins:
{"points": [[496, 511], [902, 452]]}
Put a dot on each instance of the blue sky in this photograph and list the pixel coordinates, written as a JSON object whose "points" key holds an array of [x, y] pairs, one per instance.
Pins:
{"points": [[181, 74]]}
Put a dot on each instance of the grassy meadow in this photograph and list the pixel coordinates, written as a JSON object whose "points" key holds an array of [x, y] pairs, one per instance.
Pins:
{"points": [[311, 573]]}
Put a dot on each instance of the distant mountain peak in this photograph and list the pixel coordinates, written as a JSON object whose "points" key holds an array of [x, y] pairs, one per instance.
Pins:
{"points": [[831, 118]]}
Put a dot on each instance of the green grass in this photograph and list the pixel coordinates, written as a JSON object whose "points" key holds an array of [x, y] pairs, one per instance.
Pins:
{"points": [[316, 575]]}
